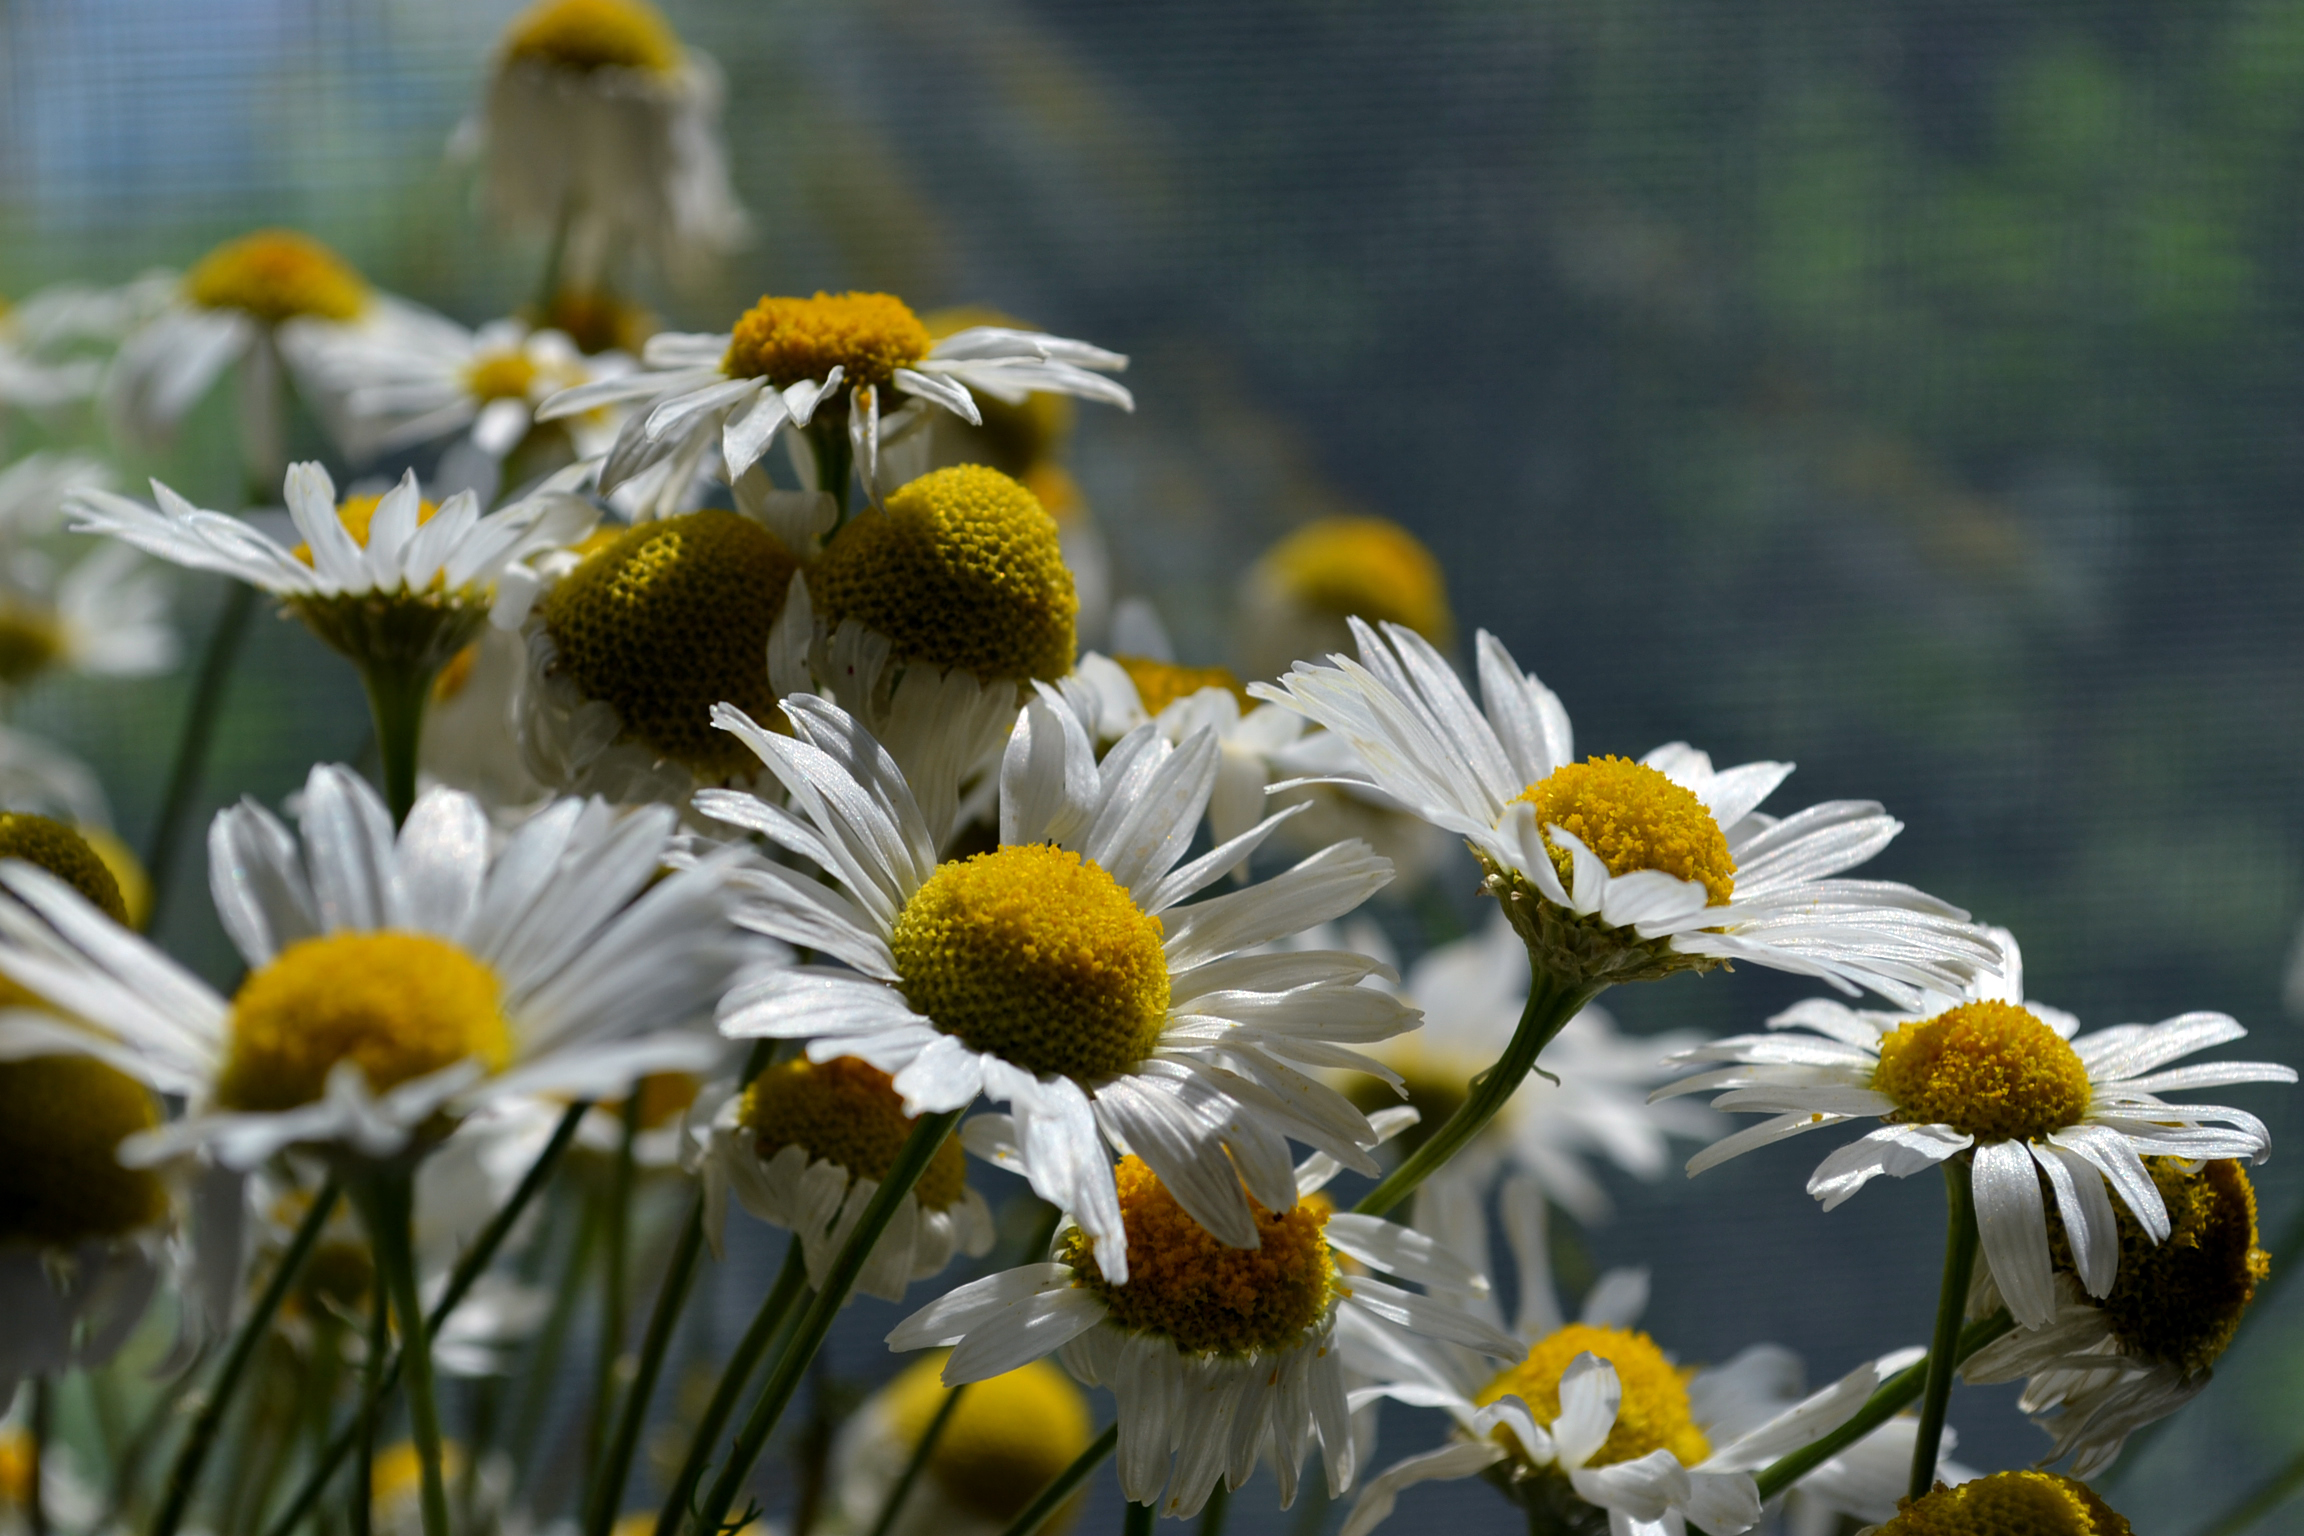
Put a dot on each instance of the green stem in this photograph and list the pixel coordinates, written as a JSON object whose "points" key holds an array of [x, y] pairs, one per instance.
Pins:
{"points": [[1551, 1004], [192, 743], [929, 1133], [835, 458], [397, 696], [766, 1324], [184, 1476], [1212, 1513], [43, 1425], [1138, 1520], [386, 1195], [918, 1461], [2275, 1491], [1064, 1484], [371, 1409], [670, 1298], [1951, 1305], [614, 1301]]}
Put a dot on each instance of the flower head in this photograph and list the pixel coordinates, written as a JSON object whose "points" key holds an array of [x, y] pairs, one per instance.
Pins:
{"points": [[1296, 600], [2008, 1504], [1006, 1439]]}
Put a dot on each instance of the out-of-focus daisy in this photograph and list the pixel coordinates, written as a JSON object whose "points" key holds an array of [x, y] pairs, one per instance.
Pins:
{"points": [[2007, 1087], [1059, 973], [104, 615], [1007, 1439], [1614, 870], [41, 778], [2047, 1502], [2103, 1369], [1295, 601], [791, 360], [805, 1145], [392, 978], [49, 342], [1220, 1356]]}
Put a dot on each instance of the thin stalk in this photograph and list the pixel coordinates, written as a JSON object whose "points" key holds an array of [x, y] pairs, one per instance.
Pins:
{"points": [[673, 1295], [1951, 1304], [371, 1409], [929, 1133], [615, 1276], [43, 1425], [184, 1476], [397, 696], [766, 1324], [387, 1201], [1551, 1004], [2268, 1496], [1138, 1520], [835, 459], [1065, 1484], [192, 742], [543, 1370], [894, 1503], [150, 1430], [1212, 1513]]}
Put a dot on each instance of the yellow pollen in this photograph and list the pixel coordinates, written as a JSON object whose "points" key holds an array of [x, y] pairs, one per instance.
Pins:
{"points": [[594, 34], [62, 1119], [396, 1005], [1014, 439], [669, 618], [1205, 1297], [2181, 1300], [1653, 1415], [962, 569], [1006, 1441], [1989, 1070], [1161, 683], [1369, 567], [596, 320], [845, 1112], [30, 640], [1632, 817], [276, 275], [866, 335], [2008, 1504], [396, 1475], [1038, 956], [500, 376]]}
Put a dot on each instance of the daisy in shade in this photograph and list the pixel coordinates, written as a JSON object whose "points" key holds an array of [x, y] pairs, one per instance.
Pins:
{"points": [[1220, 1357], [2035, 1109], [834, 357], [1061, 973], [1008, 1437], [1614, 870]]}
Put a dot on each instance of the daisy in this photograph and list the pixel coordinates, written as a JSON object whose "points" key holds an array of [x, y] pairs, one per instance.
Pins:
{"points": [[790, 359], [806, 1145], [1009, 1436], [45, 361], [471, 739], [2007, 1501], [1219, 1356], [1298, 599], [104, 615], [1614, 870], [2006, 1087], [1059, 973]]}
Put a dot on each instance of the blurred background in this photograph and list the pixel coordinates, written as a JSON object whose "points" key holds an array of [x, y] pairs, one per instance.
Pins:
{"points": [[1911, 390]]}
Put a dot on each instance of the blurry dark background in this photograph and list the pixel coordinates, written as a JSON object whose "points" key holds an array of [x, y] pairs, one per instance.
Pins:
{"points": [[1910, 390]]}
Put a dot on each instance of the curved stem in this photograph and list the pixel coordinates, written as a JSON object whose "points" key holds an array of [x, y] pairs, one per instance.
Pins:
{"points": [[2273, 1492], [670, 1298], [614, 1277], [1551, 1004], [1065, 1484], [766, 1324], [191, 760], [386, 1198], [1951, 1305], [894, 1503], [928, 1134], [397, 696]]}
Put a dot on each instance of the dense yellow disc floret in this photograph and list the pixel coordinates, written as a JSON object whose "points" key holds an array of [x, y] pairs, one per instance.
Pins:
{"points": [[1990, 1070], [1038, 956], [67, 855], [1653, 1415], [30, 640], [396, 1005], [2008, 1504], [1161, 683], [2180, 1300], [961, 569], [276, 275], [1207, 1298], [845, 1112], [62, 1119], [868, 336], [594, 34], [1633, 817], [669, 618], [1368, 567], [1006, 1441]]}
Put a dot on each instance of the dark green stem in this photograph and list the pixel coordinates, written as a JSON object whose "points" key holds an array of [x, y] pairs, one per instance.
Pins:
{"points": [[835, 457], [184, 1476], [397, 696], [1212, 1513], [775, 1308], [1138, 1520], [2275, 1491], [1951, 1305], [918, 1461], [1551, 1004], [371, 1409], [670, 1298], [1065, 1484], [42, 1426], [615, 1274], [192, 743], [929, 1133], [386, 1195]]}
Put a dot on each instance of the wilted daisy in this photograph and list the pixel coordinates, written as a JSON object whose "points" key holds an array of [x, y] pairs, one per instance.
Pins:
{"points": [[1220, 1356], [2006, 1086], [2103, 1369], [1060, 972], [1007, 1439], [1614, 870], [2028, 1502], [805, 1145]]}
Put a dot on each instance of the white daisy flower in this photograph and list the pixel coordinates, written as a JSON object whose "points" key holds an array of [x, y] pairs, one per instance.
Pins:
{"points": [[104, 615], [46, 359], [1009, 1436], [1220, 1356], [1299, 598], [1618, 871], [2007, 1087], [806, 1145], [392, 978], [790, 359], [1060, 973]]}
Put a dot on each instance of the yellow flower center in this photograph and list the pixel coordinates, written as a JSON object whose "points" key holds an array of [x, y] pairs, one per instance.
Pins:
{"points": [[2009, 1504], [500, 376], [845, 1112], [1006, 1441], [1370, 567], [1653, 1415], [17, 1461], [1632, 817], [1059, 494], [276, 275], [2181, 1300], [1205, 1297], [594, 34], [963, 570], [664, 1097], [337, 1277], [127, 871], [596, 320], [1037, 956], [1013, 439], [396, 1005], [396, 1475], [62, 1119], [1437, 1088], [30, 640], [669, 618], [866, 335], [64, 853], [357, 513], [1161, 683], [1989, 1070]]}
